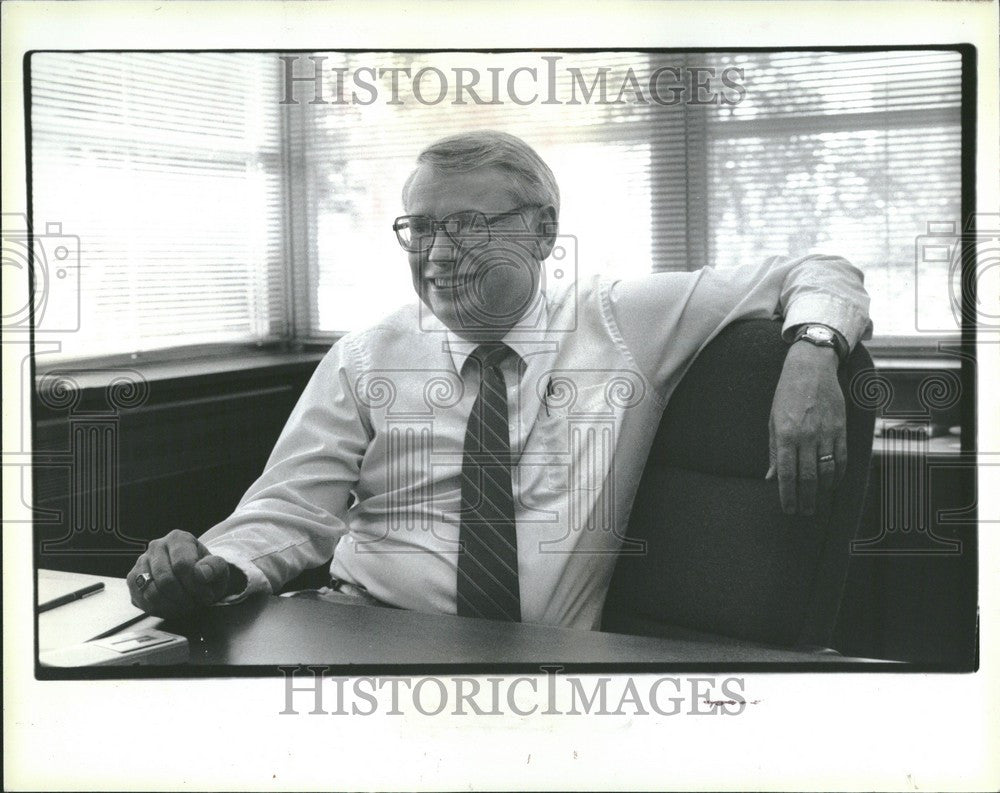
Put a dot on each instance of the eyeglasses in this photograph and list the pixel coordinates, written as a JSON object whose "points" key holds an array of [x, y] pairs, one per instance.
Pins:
{"points": [[417, 232]]}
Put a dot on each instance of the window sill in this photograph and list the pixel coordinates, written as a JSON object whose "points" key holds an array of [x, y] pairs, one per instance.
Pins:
{"points": [[900, 360], [93, 374], [99, 373], [897, 353]]}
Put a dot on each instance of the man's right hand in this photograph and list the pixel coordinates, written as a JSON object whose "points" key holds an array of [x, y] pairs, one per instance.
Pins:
{"points": [[181, 575]]}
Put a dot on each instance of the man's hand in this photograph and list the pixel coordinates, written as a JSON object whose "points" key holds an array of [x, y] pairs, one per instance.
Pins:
{"points": [[177, 574], [808, 429]]}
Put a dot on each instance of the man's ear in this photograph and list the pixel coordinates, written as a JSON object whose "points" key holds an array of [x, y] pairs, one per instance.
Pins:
{"points": [[547, 227]]}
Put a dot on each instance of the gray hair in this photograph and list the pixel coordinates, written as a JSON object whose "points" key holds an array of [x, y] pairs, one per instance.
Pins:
{"points": [[530, 179]]}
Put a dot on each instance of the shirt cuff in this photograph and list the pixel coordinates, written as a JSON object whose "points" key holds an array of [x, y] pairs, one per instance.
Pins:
{"points": [[256, 580], [845, 318]]}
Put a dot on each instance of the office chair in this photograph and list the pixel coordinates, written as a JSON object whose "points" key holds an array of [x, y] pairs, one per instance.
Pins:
{"points": [[721, 559]]}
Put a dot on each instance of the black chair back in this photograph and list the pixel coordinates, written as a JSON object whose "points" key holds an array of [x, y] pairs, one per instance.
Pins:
{"points": [[721, 558]]}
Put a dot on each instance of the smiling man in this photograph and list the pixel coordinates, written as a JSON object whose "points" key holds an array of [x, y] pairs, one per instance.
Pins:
{"points": [[484, 275], [477, 452]]}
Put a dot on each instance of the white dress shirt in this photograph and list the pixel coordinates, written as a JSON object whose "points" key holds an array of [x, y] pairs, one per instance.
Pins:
{"points": [[368, 468]]}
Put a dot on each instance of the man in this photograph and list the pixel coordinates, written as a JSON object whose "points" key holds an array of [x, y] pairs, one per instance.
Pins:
{"points": [[477, 452]]}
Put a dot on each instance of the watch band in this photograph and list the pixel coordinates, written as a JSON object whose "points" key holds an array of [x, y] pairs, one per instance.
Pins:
{"points": [[836, 340]]}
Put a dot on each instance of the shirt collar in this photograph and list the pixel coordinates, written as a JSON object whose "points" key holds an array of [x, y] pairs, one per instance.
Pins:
{"points": [[522, 338]]}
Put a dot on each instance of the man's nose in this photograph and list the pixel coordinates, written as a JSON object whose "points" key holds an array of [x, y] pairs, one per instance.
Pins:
{"points": [[442, 249]]}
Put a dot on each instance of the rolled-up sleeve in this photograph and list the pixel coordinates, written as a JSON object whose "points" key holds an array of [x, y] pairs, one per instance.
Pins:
{"points": [[664, 319], [291, 518]]}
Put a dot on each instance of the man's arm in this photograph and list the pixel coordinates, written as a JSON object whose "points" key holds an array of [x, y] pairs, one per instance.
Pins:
{"points": [[289, 520], [667, 318]]}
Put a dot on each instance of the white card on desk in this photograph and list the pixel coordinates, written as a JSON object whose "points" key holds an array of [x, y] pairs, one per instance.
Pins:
{"points": [[146, 647], [88, 618]]}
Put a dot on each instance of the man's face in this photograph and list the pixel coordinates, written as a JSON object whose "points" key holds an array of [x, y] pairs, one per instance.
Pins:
{"points": [[480, 285]]}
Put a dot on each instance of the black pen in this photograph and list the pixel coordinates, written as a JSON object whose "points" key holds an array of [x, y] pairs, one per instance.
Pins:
{"points": [[79, 594]]}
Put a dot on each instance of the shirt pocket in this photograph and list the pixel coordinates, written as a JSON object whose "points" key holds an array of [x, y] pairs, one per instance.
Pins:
{"points": [[579, 433]]}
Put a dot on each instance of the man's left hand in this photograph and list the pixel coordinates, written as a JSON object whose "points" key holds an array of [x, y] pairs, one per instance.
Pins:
{"points": [[808, 427]]}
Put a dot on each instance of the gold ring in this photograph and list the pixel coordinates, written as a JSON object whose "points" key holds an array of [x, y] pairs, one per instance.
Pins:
{"points": [[143, 580]]}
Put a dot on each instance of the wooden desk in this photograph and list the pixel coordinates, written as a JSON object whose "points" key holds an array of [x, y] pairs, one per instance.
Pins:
{"points": [[269, 631]]}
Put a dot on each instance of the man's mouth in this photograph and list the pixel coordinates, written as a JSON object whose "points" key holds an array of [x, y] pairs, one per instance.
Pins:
{"points": [[446, 282]]}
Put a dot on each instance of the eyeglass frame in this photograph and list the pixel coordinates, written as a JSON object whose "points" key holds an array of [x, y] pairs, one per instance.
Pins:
{"points": [[455, 237]]}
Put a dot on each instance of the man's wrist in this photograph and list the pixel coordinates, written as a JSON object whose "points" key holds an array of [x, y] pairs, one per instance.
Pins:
{"points": [[805, 351], [821, 335]]}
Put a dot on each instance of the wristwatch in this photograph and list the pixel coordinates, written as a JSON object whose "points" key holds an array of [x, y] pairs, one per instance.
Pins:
{"points": [[823, 336]]}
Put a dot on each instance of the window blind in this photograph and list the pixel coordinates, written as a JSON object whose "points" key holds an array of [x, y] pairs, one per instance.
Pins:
{"points": [[845, 153], [168, 168], [208, 211], [609, 160]]}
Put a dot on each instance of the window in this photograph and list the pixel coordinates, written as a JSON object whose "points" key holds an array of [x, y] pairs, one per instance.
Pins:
{"points": [[846, 153], [849, 153], [168, 168], [210, 211], [355, 158]]}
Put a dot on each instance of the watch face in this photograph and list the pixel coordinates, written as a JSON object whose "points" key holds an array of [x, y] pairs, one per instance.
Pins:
{"points": [[819, 334]]}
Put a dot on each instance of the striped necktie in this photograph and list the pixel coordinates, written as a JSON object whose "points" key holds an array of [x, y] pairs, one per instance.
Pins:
{"points": [[487, 557]]}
